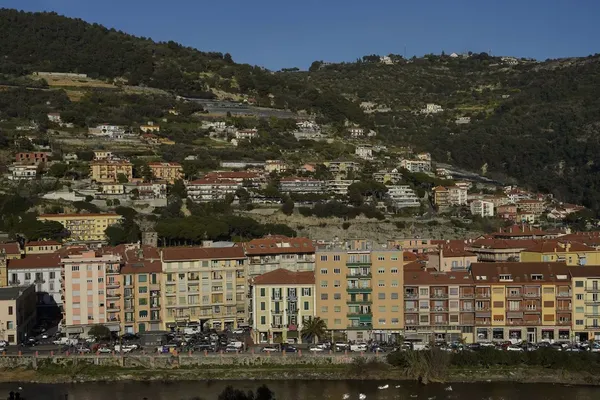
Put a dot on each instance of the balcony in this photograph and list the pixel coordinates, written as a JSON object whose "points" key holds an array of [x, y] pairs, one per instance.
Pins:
{"points": [[113, 284], [564, 294], [439, 322], [360, 327], [411, 295], [113, 295], [467, 295], [353, 263], [411, 309], [528, 310], [439, 309], [597, 327], [113, 308], [359, 301], [518, 295], [532, 294], [276, 312], [410, 322], [592, 289], [467, 309], [439, 295], [485, 295], [359, 276], [592, 302], [483, 322], [293, 312], [154, 305], [563, 308], [362, 314], [563, 323], [592, 313], [359, 290]]}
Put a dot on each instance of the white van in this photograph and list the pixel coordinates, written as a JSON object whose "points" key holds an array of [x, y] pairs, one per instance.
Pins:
{"points": [[358, 347], [191, 330]]}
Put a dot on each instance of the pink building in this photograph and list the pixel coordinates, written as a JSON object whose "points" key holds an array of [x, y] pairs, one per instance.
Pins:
{"points": [[86, 277]]}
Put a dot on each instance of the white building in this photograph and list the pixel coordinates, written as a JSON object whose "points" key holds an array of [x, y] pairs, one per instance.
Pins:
{"points": [[416, 165], [403, 196], [40, 270], [54, 117], [432, 108], [339, 187], [216, 125], [246, 134], [211, 189], [364, 152], [463, 120], [386, 60], [482, 208], [356, 132], [23, 172]]}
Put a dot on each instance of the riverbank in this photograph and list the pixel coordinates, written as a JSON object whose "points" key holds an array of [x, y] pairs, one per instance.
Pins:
{"points": [[383, 372]]}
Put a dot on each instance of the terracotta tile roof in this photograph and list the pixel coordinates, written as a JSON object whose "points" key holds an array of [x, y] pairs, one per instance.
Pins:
{"points": [[453, 252], [409, 256], [10, 248], [232, 175], [558, 247], [285, 277], [413, 277], [202, 253], [164, 164], [503, 244], [298, 179], [142, 259], [51, 260], [278, 245], [42, 243], [213, 181], [520, 272], [585, 271], [518, 230], [417, 266]]}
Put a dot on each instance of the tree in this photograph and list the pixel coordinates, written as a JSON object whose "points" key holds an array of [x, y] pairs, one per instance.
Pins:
{"points": [[99, 332], [288, 206], [122, 178], [313, 328], [178, 189], [314, 67], [58, 170], [262, 393]]}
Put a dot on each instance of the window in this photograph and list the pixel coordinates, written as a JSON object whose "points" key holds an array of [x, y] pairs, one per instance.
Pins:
{"points": [[9, 325], [424, 319], [505, 277], [381, 321], [306, 306], [381, 270], [381, 296], [306, 291], [337, 271], [578, 322], [395, 321], [143, 302], [336, 258], [579, 297], [548, 290], [74, 268], [324, 296], [52, 275], [498, 304], [262, 306], [323, 271], [100, 280], [263, 320], [337, 296], [394, 283], [424, 291], [381, 308], [27, 276], [537, 277], [263, 292], [498, 318], [337, 321], [153, 279], [10, 310], [453, 291], [324, 309], [578, 309], [381, 283], [395, 308], [323, 258], [323, 284], [143, 314], [394, 270], [394, 258], [337, 309], [579, 284], [142, 278], [394, 296], [337, 284], [143, 289]]}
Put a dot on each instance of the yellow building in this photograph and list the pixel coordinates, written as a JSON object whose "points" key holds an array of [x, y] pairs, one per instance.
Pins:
{"points": [[586, 303], [41, 247], [109, 170], [113, 188], [84, 227], [281, 301], [204, 285], [102, 155], [167, 171], [571, 253], [359, 291], [522, 301]]}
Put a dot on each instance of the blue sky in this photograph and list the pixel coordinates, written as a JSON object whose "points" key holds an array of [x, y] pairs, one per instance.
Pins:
{"points": [[283, 33]]}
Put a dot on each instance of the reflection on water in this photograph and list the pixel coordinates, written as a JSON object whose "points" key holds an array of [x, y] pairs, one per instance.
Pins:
{"points": [[302, 390]]}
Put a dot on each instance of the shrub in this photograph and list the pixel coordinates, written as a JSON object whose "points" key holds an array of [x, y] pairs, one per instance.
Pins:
{"points": [[346, 225]]}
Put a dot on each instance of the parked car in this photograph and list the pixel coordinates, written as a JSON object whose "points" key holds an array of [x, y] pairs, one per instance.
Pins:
{"points": [[104, 350], [82, 349], [238, 331], [358, 347], [269, 349], [290, 349], [231, 349], [315, 349], [513, 347]]}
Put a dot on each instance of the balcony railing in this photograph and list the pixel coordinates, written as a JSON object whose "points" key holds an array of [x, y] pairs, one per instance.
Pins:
{"points": [[439, 322], [592, 289], [411, 309], [485, 322], [514, 295], [359, 290], [467, 295], [113, 284], [439, 295], [359, 314], [437, 308], [564, 294], [482, 295], [410, 295], [563, 323], [532, 294], [361, 327], [360, 276]]}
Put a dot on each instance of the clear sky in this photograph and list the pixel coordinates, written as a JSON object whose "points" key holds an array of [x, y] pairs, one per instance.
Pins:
{"points": [[283, 33]]}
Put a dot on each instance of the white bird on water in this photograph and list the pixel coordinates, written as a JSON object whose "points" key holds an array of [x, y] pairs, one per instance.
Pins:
{"points": [[397, 386], [346, 396], [362, 396], [20, 388], [449, 389], [383, 387]]}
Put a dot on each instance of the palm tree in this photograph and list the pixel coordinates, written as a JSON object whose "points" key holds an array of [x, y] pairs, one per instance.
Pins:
{"points": [[313, 327]]}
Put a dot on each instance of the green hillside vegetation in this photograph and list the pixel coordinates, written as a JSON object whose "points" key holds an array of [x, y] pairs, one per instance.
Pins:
{"points": [[537, 123]]}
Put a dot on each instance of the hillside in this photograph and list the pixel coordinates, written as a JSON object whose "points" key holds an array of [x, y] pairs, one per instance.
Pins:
{"points": [[534, 122]]}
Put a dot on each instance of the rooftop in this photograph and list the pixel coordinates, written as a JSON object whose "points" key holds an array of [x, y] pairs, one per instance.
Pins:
{"points": [[83, 215], [285, 277], [279, 244], [12, 293], [10, 248], [558, 247], [51, 260], [521, 272], [202, 253], [43, 243], [420, 277]]}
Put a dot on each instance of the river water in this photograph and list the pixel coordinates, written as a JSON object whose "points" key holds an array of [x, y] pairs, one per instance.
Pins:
{"points": [[301, 390]]}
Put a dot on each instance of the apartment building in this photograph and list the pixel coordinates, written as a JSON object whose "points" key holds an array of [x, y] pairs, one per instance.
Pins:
{"points": [[102, 155], [535, 207], [482, 208], [208, 189], [205, 285], [520, 232], [10, 250], [281, 301], [279, 252], [450, 196], [586, 303], [402, 196], [393, 176], [139, 295], [417, 246], [448, 258], [522, 301], [86, 278], [107, 170], [277, 166], [166, 171], [112, 188], [499, 250], [17, 313], [42, 271], [41, 247], [32, 158], [23, 172], [438, 306], [339, 187], [572, 253], [415, 166], [359, 290], [294, 184], [84, 227], [342, 167]]}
